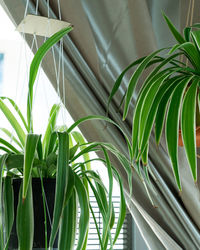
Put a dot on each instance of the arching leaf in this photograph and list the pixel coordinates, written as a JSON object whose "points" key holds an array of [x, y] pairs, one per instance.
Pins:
{"points": [[174, 31], [188, 125], [172, 126], [134, 80]]}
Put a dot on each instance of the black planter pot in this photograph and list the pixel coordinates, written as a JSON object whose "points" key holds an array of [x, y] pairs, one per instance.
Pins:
{"points": [[39, 219]]}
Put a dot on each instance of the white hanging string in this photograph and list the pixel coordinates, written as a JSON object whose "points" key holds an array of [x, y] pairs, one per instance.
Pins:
{"points": [[36, 7], [59, 10], [26, 8], [62, 70], [39, 70], [63, 84], [58, 64], [48, 8]]}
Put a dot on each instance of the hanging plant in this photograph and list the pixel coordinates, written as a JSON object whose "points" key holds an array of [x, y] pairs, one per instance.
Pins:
{"points": [[168, 96], [63, 155]]}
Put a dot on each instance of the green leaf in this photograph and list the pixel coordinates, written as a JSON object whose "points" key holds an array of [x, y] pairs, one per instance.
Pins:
{"points": [[134, 80], [67, 232], [25, 219], [13, 122], [14, 161], [61, 183], [102, 118], [29, 154], [2, 163], [174, 31], [196, 38], [109, 210], [150, 115], [160, 66], [8, 145], [39, 148], [78, 137], [84, 211], [146, 107], [73, 151], [172, 126], [144, 155], [188, 124], [8, 199], [35, 66], [122, 210], [6, 150], [101, 199], [50, 128], [187, 32], [52, 143], [11, 136], [191, 52], [160, 115], [70, 186], [17, 110], [138, 107], [119, 79], [96, 225]]}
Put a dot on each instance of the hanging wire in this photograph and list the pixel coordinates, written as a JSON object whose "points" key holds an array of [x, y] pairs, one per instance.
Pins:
{"points": [[188, 13], [59, 10], [58, 64], [62, 70], [63, 83], [192, 12], [26, 8], [48, 8], [36, 8]]}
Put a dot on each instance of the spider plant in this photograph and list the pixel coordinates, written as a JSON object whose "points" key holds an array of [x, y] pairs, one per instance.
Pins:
{"points": [[59, 153], [168, 96]]}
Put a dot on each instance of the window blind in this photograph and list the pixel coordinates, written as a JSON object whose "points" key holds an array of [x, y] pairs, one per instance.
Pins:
{"points": [[124, 241]]}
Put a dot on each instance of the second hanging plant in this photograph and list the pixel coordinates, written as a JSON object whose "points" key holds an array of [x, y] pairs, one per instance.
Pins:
{"points": [[169, 95]]}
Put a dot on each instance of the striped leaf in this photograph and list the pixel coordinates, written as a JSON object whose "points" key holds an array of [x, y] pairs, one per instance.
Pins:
{"points": [[172, 126], [25, 220], [188, 124], [174, 31], [119, 79], [84, 211], [190, 51], [109, 210], [61, 183], [13, 122], [122, 211], [78, 137], [187, 33], [102, 118], [160, 115], [50, 128], [35, 66], [144, 155], [11, 136], [134, 79], [17, 110], [138, 107], [147, 105], [2, 164], [9, 146], [152, 113], [29, 154], [67, 232], [8, 198]]}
